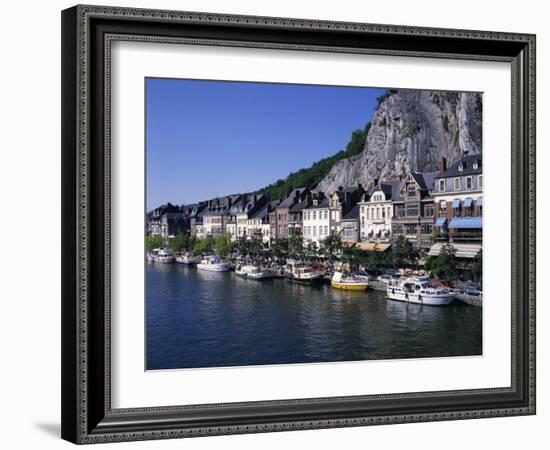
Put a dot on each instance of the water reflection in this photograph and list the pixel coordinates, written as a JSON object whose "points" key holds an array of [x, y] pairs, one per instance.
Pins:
{"points": [[206, 319]]}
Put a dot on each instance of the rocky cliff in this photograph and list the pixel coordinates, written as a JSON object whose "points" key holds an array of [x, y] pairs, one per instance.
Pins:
{"points": [[412, 130]]}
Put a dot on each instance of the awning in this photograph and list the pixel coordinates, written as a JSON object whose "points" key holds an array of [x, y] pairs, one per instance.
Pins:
{"points": [[440, 222], [468, 202], [468, 251], [466, 223], [371, 246], [479, 201], [456, 203]]}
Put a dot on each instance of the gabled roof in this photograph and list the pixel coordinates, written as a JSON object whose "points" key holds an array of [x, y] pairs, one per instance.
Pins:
{"points": [[467, 162], [293, 197]]}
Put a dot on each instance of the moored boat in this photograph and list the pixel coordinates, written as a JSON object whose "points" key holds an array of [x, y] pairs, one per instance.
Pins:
{"points": [[188, 259], [164, 255], [214, 264], [303, 273], [348, 282], [419, 290], [469, 294], [252, 272]]}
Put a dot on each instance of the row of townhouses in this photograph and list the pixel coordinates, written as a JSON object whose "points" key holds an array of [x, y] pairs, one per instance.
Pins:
{"points": [[429, 209]]}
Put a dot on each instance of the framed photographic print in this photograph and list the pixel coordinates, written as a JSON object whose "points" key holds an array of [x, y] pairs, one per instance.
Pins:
{"points": [[279, 224]]}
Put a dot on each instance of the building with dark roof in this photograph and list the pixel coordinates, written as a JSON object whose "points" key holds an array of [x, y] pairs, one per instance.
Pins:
{"points": [[350, 225], [376, 211], [458, 195], [341, 202], [413, 209], [283, 215], [167, 221]]}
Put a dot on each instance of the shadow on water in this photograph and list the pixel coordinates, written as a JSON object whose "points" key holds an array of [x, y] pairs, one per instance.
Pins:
{"points": [[213, 319]]}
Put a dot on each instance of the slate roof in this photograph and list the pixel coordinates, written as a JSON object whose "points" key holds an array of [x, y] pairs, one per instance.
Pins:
{"points": [[352, 214], [467, 167], [325, 203], [292, 197]]}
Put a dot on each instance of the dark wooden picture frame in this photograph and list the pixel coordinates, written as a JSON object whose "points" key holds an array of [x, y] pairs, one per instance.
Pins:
{"points": [[87, 33]]}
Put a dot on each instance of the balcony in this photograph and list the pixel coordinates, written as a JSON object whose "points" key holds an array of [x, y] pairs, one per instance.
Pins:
{"points": [[458, 236]]}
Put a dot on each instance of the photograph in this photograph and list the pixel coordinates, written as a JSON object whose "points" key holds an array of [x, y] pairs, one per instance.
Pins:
{"points": [[296, 223]]}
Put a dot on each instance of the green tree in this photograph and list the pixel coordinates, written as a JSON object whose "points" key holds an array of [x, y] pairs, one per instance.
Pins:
{"points": [[331, 247], [443, 265], [311, 250], [154, 242], [279, 248], [355, 257], [477, 266], [180, 242], [403, 252], [223, 245], [296, 245], [204, 245]]}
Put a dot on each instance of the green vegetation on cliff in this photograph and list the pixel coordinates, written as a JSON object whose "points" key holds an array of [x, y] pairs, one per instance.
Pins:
{"points": [[311, 176]]}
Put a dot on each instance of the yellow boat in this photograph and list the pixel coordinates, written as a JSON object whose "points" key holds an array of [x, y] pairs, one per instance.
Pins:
{"points": [[348, 282]]}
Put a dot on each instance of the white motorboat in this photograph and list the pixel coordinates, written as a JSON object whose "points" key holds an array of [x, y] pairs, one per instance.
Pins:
{"points": [[214, 264], [252, 272], [188, 259], [165, 255], [419, 290], [152, 255], [303, 273]]}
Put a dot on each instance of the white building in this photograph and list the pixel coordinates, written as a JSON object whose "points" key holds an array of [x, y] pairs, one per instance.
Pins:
{"points": [[316, 221], [376, 212]]}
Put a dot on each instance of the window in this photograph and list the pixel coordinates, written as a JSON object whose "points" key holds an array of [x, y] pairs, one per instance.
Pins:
{"points": [[468, 182], [314, 215], [368, 213], [411, 229], [326, 215], [442, 185], [389, 211], [383, 213], [314, 230], [457, 184], [412, 211], [480, 181], [326, 230], [429, 211], [460, 167], [442, 208], [412, 192]]}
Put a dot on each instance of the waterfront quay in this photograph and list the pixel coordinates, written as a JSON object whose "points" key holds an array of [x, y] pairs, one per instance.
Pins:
{"points": [[440, 214], [198, 319]]}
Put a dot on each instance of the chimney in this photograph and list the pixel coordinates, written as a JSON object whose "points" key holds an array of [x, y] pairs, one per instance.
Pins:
{"points": [[443, 165], [375, 181]]}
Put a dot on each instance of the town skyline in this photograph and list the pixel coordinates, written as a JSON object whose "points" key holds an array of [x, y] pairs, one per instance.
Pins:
{"points": [[227, 121]]}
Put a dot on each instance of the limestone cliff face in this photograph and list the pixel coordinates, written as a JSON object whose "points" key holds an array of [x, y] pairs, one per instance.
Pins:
{"points": [[412, 130]]}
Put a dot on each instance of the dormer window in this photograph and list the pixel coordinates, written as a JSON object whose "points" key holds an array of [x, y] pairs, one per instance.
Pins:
{"points": [[460, 166], [476, 165], [442, 185]]}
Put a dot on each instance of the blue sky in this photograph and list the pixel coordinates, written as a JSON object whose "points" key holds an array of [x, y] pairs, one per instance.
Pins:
{"points": [[209, 138]]}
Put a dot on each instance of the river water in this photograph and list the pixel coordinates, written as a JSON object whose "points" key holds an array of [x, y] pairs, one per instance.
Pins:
{"points": [[208, 319]]}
